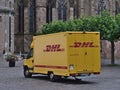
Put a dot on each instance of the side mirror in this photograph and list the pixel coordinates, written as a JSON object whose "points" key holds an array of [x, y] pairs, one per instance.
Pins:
{"points": [[24, 56]]}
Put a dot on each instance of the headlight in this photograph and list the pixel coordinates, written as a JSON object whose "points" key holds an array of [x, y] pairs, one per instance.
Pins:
{"points": [[71, 66]]}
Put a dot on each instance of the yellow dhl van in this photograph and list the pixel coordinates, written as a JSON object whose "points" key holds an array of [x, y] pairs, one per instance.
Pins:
{"points": [[64, 54]]}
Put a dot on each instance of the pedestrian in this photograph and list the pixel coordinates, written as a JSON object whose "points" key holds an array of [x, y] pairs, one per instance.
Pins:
{"points": [[4, 54]]}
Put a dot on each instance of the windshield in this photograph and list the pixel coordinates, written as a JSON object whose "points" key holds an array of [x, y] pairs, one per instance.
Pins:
{"points": [[30, 53]]}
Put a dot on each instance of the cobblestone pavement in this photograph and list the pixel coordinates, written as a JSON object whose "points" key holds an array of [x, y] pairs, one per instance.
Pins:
{"points": [[13, 79]]}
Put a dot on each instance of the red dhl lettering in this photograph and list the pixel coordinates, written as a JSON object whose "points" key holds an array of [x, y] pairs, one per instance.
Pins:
{"points": [[83, 44], [53, 48]]}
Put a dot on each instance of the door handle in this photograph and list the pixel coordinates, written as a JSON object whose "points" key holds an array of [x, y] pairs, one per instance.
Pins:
{"points": [[85, 53]]}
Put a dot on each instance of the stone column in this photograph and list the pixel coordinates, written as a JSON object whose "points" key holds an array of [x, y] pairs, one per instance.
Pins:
{"points": [[12, 34], [40, 13], [71, 13], [55, 14], [82, 8]]}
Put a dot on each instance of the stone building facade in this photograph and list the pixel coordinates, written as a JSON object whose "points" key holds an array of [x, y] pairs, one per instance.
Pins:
{"points": [[37, 12], [6, 26]]}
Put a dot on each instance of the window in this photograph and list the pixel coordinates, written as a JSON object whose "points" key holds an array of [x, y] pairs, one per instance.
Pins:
{"points": [[32, 18], [21, 19], [30, 53], [117, 7], [62, 10], [50, 4], [75, 5], [101, 6]]}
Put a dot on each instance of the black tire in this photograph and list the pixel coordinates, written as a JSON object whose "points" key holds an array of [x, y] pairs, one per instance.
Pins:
{"points": [[52, 77], [27, 74], [78, 79]]}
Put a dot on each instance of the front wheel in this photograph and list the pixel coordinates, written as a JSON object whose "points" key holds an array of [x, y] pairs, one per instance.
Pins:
{"points": [[27, 74]]}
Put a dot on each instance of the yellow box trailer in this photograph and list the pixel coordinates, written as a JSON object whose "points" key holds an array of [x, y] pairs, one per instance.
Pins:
{"points": [[64, 54]]}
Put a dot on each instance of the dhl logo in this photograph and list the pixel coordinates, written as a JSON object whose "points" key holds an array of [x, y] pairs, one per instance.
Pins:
{"points": [[83, 45], [53, 48]]}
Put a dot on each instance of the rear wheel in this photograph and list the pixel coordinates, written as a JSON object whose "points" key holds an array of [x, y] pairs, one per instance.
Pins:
{"points": [[53, 77], [78, 79], [27, 74]]}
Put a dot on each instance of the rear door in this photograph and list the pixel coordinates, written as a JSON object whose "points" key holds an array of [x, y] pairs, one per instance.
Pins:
{"points": [[88, 48], [75, 53], [84, 51], [92, 50]]}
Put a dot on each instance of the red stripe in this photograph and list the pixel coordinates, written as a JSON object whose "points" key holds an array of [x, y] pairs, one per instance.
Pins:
{"points": [[54, 67]]}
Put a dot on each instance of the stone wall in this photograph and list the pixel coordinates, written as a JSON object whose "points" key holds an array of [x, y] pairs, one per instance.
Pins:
{"points": [[2, 27], [86, 8], [2, 36], [5, 23], [106, 49], [40, 17]]}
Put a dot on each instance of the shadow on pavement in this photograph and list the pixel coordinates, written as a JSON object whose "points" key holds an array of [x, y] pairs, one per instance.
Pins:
{"points": [[64, 81]]}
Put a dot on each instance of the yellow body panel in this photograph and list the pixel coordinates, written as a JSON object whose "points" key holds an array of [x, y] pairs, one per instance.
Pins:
{"points": [[57, 52], [50, 54]]}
